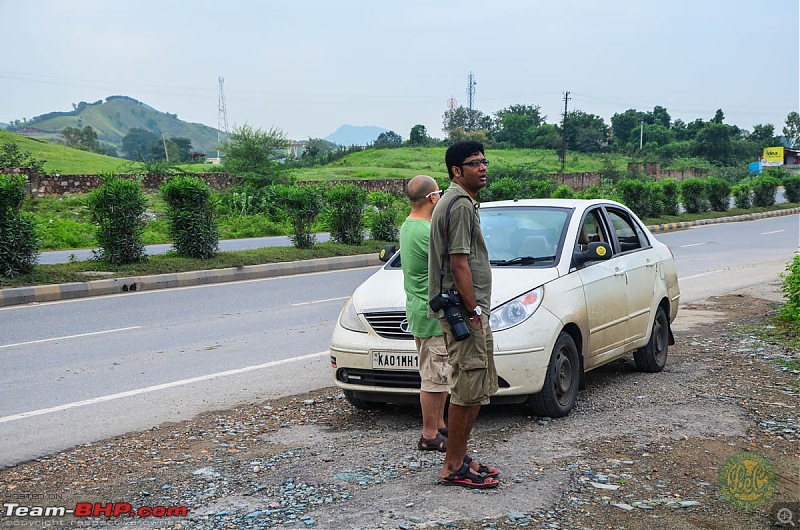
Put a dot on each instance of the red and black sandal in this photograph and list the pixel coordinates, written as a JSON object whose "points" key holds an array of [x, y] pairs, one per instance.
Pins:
{"points": [[465, 478], [485, 471]]}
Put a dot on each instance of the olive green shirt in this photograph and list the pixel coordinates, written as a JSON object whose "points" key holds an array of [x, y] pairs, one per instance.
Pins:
{"points": [[465, 237]]}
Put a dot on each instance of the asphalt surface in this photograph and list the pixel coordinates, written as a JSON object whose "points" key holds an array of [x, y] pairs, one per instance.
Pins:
{"points": [[48, 293]]}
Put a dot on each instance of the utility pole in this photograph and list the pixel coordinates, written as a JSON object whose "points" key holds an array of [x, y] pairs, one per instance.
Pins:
{"points": [[471, 98], [166, 154], [222, 117], [641, 133], [563, 153]]}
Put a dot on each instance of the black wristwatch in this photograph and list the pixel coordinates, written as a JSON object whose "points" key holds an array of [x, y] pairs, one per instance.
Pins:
{"points": [[476, 312]]}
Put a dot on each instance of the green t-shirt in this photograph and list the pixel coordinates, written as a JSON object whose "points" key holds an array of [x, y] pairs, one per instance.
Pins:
{"points": [[414, 236]]}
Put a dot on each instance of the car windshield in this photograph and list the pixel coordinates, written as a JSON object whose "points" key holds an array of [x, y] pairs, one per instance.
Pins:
{"points": [[524, 235]]}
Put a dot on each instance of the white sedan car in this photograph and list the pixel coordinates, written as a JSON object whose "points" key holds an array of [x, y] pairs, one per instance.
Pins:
{"points": [[575, 284]]}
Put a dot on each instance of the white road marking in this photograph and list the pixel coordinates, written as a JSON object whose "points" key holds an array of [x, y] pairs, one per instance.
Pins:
{"points": [[68, 337], [321, 301], [155, 388], [692, 245], [773, 232]]}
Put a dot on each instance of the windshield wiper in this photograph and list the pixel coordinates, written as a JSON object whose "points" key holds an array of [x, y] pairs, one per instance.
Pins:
{"points": [[520, 260]]}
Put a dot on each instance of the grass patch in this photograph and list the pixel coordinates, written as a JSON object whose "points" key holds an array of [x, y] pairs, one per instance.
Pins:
{"points": [[82, 271]]}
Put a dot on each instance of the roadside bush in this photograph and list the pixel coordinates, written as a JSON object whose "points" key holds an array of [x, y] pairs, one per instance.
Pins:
{"points": [[764, 189], [606, 190], [302, 205], [791, 186], [719, 194], [668, 196], [19, 243], [693, 195], [503, 189], [190, 212], [635, 195], [344, 213], [117, 207], [791, 290], [564, 192], [382, 221], [742, 198]]}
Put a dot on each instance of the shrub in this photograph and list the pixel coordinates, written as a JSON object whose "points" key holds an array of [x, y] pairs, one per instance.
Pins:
{"points": [[719, 194], [791, 186], [345, 212], [302, 205], [693, 194], [190, 212], [19, 242], [564, 192], [668, 196], [791, 290], [117, 206], [382, 222], [764, 189], [635, 195], [742, 195]]}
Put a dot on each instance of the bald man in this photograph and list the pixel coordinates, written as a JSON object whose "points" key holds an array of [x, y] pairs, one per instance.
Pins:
{"points": [[434, 370]]}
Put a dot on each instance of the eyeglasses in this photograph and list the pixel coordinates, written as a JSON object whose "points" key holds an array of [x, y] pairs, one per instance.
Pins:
{"points": [[437, 192], [476, 163]]}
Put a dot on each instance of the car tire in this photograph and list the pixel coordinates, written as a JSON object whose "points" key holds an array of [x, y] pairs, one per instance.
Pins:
{"points": [[560, 391], [653, 357], [359, 403]]}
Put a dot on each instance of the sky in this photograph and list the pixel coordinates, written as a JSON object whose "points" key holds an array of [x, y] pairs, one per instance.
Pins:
{"points": [[308, 67]]}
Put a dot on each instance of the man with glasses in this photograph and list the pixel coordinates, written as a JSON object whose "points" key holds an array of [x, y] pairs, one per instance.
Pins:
{"points": [[434, 371], [458, 260]]}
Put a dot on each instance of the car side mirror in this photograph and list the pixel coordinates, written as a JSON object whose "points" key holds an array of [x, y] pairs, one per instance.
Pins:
{"points": [[595, 251], [387, 252]]}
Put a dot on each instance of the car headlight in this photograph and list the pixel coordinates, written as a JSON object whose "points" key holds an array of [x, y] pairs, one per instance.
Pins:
{"points": [[348, 318], [517, 310]]}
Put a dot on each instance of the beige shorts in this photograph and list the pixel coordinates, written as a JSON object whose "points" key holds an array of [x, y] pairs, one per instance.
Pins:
{"points": [[434, 370], [474, 377]]}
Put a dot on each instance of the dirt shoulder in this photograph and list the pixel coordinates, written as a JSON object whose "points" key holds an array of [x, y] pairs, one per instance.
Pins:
{"points": [[639, 451]]}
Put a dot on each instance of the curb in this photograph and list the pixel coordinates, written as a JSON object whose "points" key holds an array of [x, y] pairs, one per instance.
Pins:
{"points": [[68, 291]]}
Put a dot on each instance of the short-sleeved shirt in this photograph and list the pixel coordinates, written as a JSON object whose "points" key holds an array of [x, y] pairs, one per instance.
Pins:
{"points": [[414, 236], [464, 237]]}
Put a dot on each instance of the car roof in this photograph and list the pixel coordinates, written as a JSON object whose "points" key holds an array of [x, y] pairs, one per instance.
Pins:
{"points": [[578, 204]]}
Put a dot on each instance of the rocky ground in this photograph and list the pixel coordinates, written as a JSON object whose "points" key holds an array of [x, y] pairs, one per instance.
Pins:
{"points": [[639, 451]]}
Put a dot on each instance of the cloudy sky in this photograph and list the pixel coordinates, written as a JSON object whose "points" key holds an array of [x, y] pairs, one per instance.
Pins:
{"points": [[309, 67]]}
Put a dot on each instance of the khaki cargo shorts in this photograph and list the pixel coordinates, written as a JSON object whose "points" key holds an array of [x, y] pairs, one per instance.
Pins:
{"points": [[434, 370], [474, 377]]}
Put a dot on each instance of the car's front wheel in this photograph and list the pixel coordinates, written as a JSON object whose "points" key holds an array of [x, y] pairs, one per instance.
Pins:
{"points": [[359, 403], [560, 391], [653, 357]]}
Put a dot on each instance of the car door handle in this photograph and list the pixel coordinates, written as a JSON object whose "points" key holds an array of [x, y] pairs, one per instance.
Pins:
{"points": [[650, 263], [619, 272]]}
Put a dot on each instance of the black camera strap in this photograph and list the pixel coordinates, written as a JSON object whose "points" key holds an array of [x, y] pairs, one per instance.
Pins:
{"points": [[446, 239]]}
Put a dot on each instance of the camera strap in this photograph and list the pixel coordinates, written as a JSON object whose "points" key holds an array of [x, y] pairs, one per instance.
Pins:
{"points": [[446, 239]]}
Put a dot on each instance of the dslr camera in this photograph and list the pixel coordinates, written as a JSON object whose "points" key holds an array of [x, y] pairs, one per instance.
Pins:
{"points": [[450, 303]]}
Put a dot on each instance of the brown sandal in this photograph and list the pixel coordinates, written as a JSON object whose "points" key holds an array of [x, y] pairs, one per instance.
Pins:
{"points": [[433, 444]]}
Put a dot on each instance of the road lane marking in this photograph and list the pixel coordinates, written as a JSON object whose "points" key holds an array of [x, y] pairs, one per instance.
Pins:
{"points": [[773, 232], [322, 301], [692, 245], [69, 337], [164, 386]]}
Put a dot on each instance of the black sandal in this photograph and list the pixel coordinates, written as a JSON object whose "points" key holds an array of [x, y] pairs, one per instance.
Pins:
{"points": [[433, 444], [485, 471], [465, 478]]}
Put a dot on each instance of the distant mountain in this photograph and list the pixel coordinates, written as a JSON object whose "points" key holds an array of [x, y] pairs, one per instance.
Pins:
{"points": [[113, 118], [348, 135], [3, 126]]}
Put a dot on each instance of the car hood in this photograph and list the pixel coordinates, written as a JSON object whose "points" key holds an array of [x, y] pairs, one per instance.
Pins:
{"points": [[384, 289]]}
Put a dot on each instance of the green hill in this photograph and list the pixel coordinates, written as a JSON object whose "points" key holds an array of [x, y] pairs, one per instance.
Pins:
{"points": [[59, 158], [113, 118]]}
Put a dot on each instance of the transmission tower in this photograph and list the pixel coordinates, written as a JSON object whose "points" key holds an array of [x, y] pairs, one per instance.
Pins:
{"points": [[471, 89], [222, 120], [451, 103]]}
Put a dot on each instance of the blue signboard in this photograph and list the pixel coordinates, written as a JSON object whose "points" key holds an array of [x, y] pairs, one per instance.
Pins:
{"points": [[755, 168]]}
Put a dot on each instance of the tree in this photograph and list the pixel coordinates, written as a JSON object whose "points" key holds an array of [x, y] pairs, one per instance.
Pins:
{"points": [[626, 127], [419, 136], [183, 148], [516, 124], [792, 129], [762, 136], [84, 139], [714, 143], [659, 116], [586, 132], [253, 154], [388, 139], [12, 156], [467, 120], [719, 117], [136, 145]]}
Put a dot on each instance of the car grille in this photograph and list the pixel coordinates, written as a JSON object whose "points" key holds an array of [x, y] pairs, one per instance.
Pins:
{"points": [[385, 378], [390, 324]]}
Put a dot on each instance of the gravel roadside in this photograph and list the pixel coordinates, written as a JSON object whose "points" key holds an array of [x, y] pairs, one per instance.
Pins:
{"points": [[639, 451]]}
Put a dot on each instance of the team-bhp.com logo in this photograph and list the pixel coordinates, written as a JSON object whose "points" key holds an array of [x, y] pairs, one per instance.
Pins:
{"points": [[747, 480], [93, 509]]}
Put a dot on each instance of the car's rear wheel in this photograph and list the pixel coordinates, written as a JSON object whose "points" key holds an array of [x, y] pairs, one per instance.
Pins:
{"points": [[560, 390], [359, 403], [653, 357]]}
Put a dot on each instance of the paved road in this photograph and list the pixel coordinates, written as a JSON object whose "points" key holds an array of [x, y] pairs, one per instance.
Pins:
{"points": [[82, 370]]}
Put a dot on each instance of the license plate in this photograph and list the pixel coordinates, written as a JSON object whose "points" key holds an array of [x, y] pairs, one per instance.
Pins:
{"points": [[406, 360]]}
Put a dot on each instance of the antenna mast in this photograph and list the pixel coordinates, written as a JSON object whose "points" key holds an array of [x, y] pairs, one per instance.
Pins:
{"points": [[222, 119], [471, 89]]}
